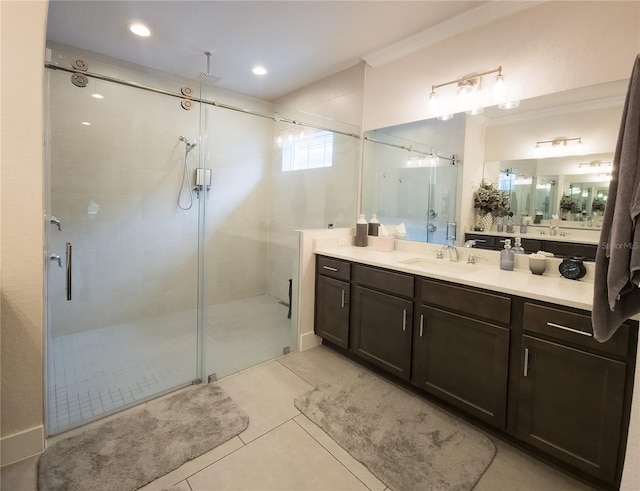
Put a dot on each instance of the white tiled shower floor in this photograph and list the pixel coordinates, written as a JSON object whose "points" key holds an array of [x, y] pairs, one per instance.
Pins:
{"points": [[93, 373]]}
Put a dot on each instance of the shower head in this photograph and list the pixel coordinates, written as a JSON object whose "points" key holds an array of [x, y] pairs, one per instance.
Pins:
{"points": [[190, 146], [208, 78]]}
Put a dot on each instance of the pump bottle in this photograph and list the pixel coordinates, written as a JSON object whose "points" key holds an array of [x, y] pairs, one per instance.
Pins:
{"points": [[361, 231], [507, 256]]}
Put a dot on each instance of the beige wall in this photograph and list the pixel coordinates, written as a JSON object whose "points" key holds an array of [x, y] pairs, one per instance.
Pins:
{"points": [[23, 32]]}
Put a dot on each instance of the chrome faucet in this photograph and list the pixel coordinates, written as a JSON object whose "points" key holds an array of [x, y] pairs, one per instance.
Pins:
{"points": [[470, 243], [453, 252]]}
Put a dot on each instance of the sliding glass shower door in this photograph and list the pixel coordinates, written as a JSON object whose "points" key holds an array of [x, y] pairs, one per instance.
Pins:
{"points": [[122, 279]]}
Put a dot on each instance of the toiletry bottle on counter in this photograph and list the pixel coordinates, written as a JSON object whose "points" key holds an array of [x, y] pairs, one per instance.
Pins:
{"points": [[361, 232], [510, 224], [374, 225], [517, 247], [506, 256]]}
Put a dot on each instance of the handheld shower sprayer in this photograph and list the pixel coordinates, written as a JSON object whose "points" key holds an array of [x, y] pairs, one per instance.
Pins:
{"points": [[190, 146]]}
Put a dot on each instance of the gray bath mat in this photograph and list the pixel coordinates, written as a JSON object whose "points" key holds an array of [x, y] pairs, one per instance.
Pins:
{"points": [[405, 441], [143, 443]]}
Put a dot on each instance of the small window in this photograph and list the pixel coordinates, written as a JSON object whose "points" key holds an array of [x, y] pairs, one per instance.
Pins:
{"points": [[312, 151]]}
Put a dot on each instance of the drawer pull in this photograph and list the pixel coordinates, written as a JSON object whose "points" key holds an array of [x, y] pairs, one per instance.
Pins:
{"points": [[421, 324], [404, 320], [343, 299], [335, 270], [526, 361], [565, 328]]}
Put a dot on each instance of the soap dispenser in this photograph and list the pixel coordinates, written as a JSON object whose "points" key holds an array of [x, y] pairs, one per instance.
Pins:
{"points": [[517, 248], [507, 256], [374, 225], [361, 231]]}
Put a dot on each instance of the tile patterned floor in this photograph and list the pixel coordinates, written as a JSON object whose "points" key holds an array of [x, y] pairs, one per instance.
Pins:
{"points": [[97, 372], [282, 450]]}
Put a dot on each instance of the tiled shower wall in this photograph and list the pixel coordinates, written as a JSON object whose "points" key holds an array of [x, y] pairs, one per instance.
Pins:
{"points": [[114, 186]]}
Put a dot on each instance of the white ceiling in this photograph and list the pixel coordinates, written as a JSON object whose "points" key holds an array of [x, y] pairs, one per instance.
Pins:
{"points": [[299, 42]]}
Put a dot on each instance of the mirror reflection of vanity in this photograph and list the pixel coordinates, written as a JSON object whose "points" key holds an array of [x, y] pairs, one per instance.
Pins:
{"points": [[574, 189], [535, 183]]}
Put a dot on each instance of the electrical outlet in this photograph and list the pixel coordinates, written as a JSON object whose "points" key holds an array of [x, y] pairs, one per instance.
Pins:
{"points": [[343, 241]]}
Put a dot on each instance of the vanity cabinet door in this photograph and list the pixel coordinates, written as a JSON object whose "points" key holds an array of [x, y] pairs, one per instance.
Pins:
{"points": [[381, 330], [462, 361], [332, 310], [571, 405]]}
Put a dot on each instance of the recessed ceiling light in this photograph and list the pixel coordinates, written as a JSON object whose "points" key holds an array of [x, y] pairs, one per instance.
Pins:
{"points": [[97, 96], [85, 123], [259, 70], [140, 29]]}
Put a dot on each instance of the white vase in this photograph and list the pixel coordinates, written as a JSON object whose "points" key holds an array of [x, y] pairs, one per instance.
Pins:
{"points": [[486, 222]]}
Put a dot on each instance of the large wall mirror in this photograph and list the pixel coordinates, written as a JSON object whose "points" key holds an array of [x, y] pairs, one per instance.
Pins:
{"points": [[411, 177], [423, 194]]}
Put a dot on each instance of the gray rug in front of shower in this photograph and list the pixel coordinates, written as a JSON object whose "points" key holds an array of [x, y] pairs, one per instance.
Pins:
{"points": [[137, 446], [405, 441]]}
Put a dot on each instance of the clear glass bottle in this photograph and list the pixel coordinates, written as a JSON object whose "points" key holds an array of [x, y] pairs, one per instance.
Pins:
{"points": [[361, 231], [374, 225], [507, 256], [517, 247]]}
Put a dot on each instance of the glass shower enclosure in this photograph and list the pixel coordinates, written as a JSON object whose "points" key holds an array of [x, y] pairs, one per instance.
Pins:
{"points": [[170, 234]]}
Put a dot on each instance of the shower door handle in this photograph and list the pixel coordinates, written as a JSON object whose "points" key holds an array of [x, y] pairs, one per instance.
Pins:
{"points": [[55, 257], [69, 253], [56, 222]]}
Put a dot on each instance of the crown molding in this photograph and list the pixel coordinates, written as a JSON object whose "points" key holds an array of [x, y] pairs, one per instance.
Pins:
{"points": [[451, 27]]}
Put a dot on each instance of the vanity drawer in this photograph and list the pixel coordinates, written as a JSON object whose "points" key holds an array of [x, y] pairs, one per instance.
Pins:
{"points": [[334, 268], [483, 305], [567, 249], [574, 328], [383, 280]]}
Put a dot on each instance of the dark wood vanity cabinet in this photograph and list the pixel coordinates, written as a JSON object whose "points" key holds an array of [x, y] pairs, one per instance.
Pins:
{"points": [[529, 244], [382, 318], [572, 390], [530, 369], [333, 299], [463, 361], [460, 352]]}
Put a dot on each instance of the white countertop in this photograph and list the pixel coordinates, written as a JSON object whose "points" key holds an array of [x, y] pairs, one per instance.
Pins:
{"points": [[550, 287]]}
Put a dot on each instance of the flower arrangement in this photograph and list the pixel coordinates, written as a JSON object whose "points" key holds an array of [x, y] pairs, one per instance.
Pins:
{"points": [[568, 204], [598, 204], [489, 199]]}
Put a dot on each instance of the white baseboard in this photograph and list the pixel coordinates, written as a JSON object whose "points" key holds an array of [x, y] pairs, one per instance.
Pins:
{"points": [[20, 446], [309, 340]]}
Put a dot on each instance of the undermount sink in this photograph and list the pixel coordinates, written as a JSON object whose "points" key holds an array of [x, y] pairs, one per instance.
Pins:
{"points": [[443, 266]]}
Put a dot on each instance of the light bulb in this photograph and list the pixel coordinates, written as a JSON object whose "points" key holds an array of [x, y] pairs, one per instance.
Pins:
{"points": [[579, 147], [499, 87], [433, 99]]}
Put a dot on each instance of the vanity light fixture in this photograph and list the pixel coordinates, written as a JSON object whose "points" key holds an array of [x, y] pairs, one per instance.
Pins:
{"points": [[595, 163], [559, 146], [470, 86]]}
